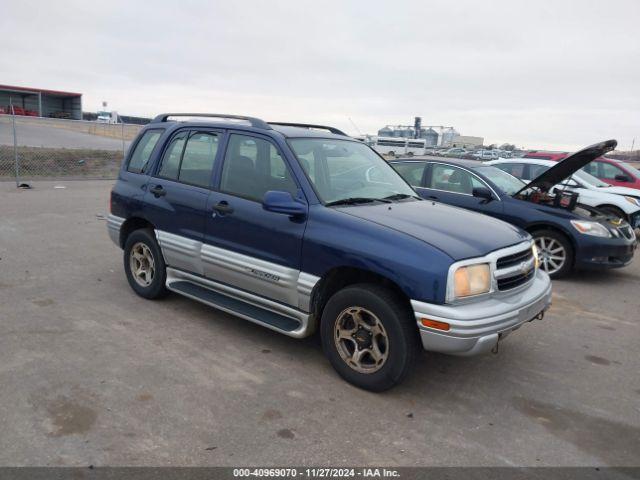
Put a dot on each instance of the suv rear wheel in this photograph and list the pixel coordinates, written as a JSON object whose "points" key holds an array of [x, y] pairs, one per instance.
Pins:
{"points": [[369, 336], [144, 265]]}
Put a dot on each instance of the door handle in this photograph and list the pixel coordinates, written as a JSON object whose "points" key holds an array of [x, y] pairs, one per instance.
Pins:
{"points": [[432, 197], [158, 191], [223, 208]]}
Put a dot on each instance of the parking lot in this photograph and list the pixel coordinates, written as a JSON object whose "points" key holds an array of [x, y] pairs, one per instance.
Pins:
{"points": [[93, 374]]}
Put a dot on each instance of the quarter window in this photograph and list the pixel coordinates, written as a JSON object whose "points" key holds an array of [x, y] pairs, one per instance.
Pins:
{"points": [[252, 167], [142, 152]]}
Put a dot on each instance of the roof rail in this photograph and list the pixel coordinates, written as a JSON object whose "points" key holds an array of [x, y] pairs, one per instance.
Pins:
{"points": [[310, 126], [254, 122]]}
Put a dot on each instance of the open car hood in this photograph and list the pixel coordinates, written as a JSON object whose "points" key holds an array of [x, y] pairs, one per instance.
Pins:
{"points": [[567, 167]]}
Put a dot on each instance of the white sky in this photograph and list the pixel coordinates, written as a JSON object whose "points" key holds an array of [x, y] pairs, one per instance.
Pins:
{"points": [[555, 74]]}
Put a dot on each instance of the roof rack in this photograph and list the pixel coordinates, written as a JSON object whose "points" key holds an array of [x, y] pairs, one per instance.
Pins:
{"points": [[310, 126], [254, 122]]}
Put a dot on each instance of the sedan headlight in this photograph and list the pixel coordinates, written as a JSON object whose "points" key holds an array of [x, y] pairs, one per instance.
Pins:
{"points": [[632, 200], [471, 280], [591, 228]]}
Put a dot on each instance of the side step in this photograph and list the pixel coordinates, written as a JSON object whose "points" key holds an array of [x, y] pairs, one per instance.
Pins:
{"points": [[250, 312]]}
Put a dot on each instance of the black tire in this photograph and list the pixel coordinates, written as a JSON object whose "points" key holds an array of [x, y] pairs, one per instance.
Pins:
{"points": [[400, 332], [543, 236], [615, 211], [156, 287]]}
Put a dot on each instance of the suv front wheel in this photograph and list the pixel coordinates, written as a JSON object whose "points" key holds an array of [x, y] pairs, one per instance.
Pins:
{"points": [[369, 336], [144, 265]]}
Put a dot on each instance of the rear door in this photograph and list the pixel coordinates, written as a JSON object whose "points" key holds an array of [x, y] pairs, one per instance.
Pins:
{"points": [[177, 193], [245, 245]]}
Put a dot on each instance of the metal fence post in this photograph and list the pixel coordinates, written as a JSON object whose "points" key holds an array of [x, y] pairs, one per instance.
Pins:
{"points": [[15, 144], [122, 134]]}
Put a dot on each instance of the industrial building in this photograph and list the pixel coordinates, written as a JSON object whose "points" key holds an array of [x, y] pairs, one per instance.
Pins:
{"points": [[463, 141], [38, 102], [417, 130]]}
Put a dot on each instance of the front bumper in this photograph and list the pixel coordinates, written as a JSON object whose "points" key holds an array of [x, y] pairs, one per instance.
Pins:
{"points": [[612, 254], [476, 327]]}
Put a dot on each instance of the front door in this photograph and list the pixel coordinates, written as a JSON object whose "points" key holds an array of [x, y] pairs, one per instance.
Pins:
{"points": [[454, 185], [245, 245]]}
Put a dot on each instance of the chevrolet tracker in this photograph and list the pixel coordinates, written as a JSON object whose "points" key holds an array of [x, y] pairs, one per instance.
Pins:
{"points": [[301, 228]]}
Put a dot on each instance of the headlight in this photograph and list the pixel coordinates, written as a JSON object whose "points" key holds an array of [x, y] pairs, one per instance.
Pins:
{"points": [[471, 280], [536, 258], [591, 228], [634, 201]]}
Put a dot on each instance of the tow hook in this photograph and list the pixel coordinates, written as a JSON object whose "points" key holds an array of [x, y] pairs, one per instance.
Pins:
{"points": [[494, 350], [540, 316]]}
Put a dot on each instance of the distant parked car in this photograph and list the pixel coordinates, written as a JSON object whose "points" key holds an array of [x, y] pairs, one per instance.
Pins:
{"points": [[542, 155], [607, 199], [567, 235], [455, 152], [486, 155], [615, 172]]}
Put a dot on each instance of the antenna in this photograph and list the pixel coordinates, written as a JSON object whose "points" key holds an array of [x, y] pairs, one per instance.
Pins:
{"points": [[355, 126]]}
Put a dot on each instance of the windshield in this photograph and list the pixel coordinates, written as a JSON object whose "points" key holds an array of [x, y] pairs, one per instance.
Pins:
{"points": [[345, 169], [505, 182], [589, 179]]}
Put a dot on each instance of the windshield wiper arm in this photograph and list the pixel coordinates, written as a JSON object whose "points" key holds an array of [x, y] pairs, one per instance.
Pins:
{"points": [[401, 196], [355, 201]]}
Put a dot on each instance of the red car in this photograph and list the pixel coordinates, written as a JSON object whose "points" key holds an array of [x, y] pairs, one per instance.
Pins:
{"points": [[615, 172]]}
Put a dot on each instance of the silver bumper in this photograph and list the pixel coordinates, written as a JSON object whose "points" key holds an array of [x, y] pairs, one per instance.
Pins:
{"points": [[476, 327], [113, 227]]}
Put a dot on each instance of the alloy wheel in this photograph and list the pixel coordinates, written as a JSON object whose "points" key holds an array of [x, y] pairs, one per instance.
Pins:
{"points": [[361, 340], [142, 264], [552, 254]]}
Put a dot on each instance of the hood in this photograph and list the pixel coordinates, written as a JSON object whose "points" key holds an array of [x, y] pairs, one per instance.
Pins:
{"points": [[567, 167], [457, 232], [630, 192]]}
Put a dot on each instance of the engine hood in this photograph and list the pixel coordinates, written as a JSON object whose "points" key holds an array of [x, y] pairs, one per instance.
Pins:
{"points": [[567, 167], [630, 192], [457, 232]]}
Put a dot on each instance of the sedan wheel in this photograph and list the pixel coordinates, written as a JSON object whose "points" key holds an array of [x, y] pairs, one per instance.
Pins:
{"points": [[553, 255]]}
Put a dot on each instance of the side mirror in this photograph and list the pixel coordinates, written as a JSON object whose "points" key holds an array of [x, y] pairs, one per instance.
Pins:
{"points": [[282, 202], [482, 192], [622, 178]]}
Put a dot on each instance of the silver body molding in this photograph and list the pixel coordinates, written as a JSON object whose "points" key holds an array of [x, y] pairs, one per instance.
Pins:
{"points": [[114, 224], [476, 327]]}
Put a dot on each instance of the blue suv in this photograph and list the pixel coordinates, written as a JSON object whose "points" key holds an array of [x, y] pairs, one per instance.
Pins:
{"points": [[301, 228]]}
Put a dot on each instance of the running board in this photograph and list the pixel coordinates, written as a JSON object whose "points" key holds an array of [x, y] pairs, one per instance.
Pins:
{"points": [[286, 320]]}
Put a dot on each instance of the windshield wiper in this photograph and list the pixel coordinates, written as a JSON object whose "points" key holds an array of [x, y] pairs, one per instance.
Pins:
{"points": [[356, 201], [401, 196]]}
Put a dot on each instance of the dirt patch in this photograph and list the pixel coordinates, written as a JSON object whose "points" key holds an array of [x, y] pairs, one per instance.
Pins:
{"points": [[69, 417]]}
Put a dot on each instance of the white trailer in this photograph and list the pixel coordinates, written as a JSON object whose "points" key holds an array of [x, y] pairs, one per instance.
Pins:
{"points": [[395, 146]]}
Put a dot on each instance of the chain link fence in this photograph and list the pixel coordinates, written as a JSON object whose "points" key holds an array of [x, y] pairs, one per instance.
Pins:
{"points": [[33, 148]]}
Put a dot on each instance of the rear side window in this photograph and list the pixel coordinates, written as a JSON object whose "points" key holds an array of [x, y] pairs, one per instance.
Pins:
{"points": [[452, 179], [190, 158], [411, 172], [198, 158], [142, 152]]}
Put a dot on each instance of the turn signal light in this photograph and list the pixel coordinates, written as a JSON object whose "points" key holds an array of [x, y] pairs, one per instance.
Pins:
{"points": [[427, 322]]}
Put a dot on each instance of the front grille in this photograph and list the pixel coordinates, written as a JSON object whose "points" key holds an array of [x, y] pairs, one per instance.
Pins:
{"points": [[515, 259], [515, 269], [627, 231], [515, 281]]}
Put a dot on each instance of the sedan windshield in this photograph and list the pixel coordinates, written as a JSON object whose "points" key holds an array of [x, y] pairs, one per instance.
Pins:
{"points": [[505, 182], [348, 172]]}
